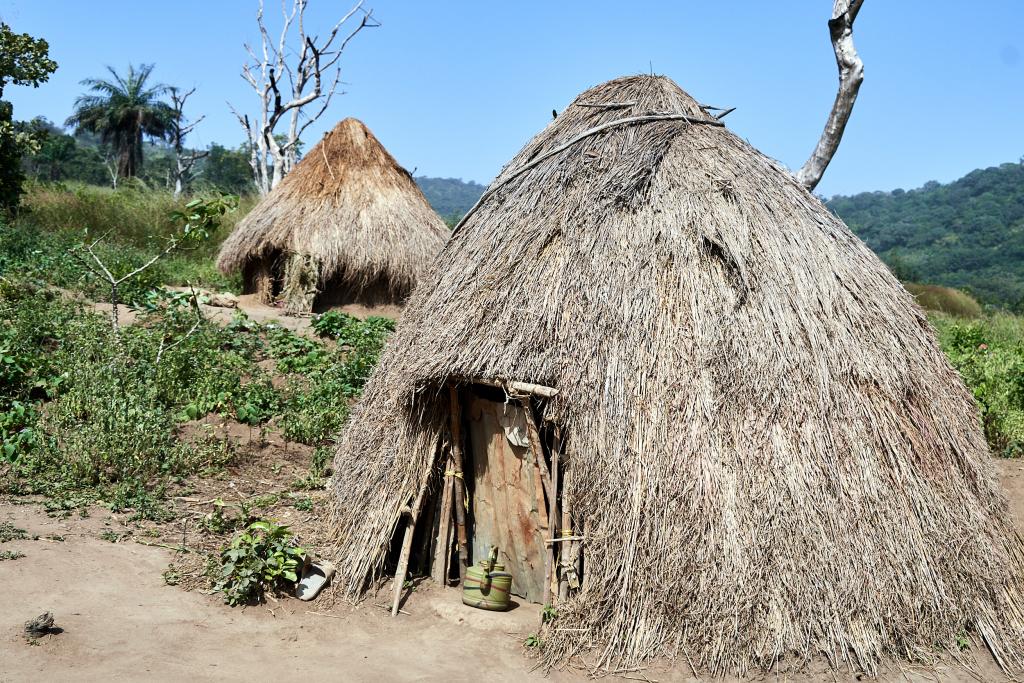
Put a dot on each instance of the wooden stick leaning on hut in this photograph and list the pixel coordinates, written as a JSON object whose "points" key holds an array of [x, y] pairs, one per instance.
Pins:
{"points": [[403, 558], [566, 526], [459, 488], [551, 486], [442, 552]]}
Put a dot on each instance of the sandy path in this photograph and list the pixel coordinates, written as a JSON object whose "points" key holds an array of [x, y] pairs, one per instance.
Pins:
{"points": [[121, 622]]}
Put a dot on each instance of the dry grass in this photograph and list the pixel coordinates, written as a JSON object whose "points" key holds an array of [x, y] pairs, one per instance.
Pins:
{"points": [[945, 300], [352, 207], [772, 457]]}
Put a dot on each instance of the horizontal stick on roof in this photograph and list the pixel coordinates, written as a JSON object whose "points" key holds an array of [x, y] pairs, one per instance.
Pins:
{"points": [[648, 118], [514, 387], [607, 105]]}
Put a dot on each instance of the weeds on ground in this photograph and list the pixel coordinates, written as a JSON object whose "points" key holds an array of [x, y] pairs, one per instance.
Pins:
{"points": [[989, 354], [9, 532]]}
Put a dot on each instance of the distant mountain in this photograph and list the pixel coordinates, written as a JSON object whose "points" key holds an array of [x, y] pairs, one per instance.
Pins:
{"points": [[450, 197], [967, 234]]}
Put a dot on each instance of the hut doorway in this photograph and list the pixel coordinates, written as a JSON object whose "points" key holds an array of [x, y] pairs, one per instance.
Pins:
{"points": [[507, 505], [503, 485]]}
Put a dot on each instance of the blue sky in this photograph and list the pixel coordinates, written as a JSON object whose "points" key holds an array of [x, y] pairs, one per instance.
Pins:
{"points": [[456, 88]]}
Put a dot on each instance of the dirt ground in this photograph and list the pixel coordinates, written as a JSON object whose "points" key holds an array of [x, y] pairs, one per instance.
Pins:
{"points": [[121, 621], [256, 310]]}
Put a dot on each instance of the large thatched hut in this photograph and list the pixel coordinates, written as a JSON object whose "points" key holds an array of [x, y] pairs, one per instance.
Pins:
{"points": [[651, 345], [347, 225]]}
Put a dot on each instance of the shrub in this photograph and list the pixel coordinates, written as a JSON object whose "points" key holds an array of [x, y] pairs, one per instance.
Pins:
{"points": [[263, 557], [945, 300], [989, 355]]}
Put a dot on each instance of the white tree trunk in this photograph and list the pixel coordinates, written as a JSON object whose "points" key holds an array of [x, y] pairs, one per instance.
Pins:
{"points": [[303, 64], [851, 75]]}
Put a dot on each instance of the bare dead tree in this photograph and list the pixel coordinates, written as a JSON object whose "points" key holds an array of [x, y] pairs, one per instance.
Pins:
{"points": [[851, 75], [184, 160], [309, 67], [110, 163]]}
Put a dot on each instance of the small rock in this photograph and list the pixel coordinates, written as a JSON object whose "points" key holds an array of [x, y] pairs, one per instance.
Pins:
{"points": [[40, 626], [223, 300]]}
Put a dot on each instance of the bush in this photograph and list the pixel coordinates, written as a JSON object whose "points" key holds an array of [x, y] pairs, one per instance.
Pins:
{"points": [[945, 300], [263, 557], [989, 354]]}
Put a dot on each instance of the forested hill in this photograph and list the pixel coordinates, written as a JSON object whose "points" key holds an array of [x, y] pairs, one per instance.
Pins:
{"points": [[450, 197], [968, 234]]}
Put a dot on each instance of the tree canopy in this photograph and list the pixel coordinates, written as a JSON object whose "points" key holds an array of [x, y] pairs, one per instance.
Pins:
{"points": [[967, 234], [24, 60], [122, 111]]}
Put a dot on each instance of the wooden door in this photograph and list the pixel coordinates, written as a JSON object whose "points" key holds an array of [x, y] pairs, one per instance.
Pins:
{"points": [[508, 496]]}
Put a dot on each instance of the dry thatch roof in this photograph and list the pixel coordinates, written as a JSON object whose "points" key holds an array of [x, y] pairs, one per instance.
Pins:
{"points": [[349, 204], [773, 457]]}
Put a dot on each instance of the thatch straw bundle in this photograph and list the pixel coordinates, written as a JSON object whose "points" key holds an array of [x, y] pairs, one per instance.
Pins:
{"points": [[773, 458], [351, 207]]}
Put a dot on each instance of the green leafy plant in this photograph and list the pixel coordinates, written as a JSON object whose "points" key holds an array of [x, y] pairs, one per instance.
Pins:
{"points": [[989, 354], [261, 558], [11, 555], [217, 521], [9, 532], [548, 613], [171, 575]]}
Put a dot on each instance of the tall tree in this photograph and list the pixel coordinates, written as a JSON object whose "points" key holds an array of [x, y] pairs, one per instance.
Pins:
{"points": [[122, 111], [24, 60], [288, 75]]}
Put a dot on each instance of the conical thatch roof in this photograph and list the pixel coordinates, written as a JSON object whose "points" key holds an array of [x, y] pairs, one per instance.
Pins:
{"points": [[773, 458], [350, 205]]}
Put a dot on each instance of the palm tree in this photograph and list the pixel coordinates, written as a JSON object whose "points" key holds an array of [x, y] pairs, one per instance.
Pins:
{"points": [[121, 111]]}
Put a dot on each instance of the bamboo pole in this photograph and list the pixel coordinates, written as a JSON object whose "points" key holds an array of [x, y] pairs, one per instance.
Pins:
{"points": [[459, 488], [515, 387], [410, 528], [565, 548], [551, 485], [444, 528]]}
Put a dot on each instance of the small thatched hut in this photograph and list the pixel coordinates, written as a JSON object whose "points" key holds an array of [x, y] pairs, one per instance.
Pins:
{"points": [[347, 225], [734, 421]]}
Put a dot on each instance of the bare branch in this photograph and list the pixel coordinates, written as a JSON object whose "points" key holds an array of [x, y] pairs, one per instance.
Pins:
{"points": [[851, 75], [147, 264], [287, 75]]}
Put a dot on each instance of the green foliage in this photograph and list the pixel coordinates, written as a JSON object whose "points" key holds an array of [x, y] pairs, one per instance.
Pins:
{"points": [[217, 521], [319, 470], [263, 557], [450, 197], [61, 157], [227, 170], [968, 234], [11, 148], [989, 354], [11, 555], [136, 226], [9, 532], [318, 400], [548, 614], [24, 60]]}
